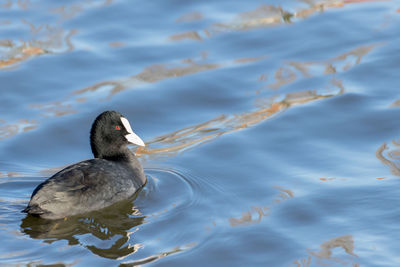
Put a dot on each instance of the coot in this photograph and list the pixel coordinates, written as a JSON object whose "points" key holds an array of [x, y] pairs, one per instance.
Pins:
{"points": [[113, 175]]}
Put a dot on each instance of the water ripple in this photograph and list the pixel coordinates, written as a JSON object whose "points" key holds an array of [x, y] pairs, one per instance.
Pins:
{"points": [[125, 228]]}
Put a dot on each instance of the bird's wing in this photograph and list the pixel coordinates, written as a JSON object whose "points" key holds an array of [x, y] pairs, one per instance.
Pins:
{"points": [[68, 189]]}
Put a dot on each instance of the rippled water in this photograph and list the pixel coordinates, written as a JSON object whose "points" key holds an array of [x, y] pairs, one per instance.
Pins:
{"points": [[272, 131]]}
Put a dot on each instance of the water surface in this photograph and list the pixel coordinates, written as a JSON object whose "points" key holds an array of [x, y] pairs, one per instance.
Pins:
{"points": [[272, 131]]}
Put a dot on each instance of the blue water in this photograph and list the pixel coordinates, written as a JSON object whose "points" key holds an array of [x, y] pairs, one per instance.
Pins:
{"points": [[272, 131]]}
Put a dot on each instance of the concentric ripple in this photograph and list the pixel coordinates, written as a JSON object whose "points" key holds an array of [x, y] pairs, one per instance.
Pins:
{"points": [[171, 200]]}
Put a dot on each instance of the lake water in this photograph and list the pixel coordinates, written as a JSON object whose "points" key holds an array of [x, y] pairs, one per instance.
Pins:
{"points": [[272, 131]]}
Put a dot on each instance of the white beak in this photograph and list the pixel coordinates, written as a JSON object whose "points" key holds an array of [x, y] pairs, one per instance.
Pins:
{"points": [[131, 137]]}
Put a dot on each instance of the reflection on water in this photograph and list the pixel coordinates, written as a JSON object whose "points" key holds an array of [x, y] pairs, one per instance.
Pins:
{"points": [[68, 12], [189, 17], [396, 103], [265, 60], [9, 130], [48, 39], [18, 53], [186, 35], [263, 16], [55, 109], [183, 139], [155, 73], [390, 156], [326, 254], [45, 40], [217, 126], [344, 62], [247, 217], [114, 225], [10, 174], [158, 256], [150, 74], [22, 4]]}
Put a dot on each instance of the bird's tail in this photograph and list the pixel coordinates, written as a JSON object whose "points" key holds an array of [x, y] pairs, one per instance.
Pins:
{"points": [[34, 209]]}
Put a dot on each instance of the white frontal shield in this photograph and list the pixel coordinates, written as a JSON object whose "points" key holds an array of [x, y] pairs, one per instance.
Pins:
{"points": [[131, 137]]}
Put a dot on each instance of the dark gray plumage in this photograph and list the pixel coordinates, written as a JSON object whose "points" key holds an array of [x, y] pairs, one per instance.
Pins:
{"points": [[113, 175]]}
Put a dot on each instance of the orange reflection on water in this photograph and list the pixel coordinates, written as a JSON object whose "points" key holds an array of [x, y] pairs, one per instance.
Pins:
{"points": [[362, 1], [21, 4], [152, 74], [158, 72], [259, 212], [390, 155], [116, 44], [325, 257], [396, 103], [247, 217], [192, 35], [288, 73], [189, 17], [346, 242], [183, 139], [180, 140], [23, 125], [47, 40], [68, 12], [263, 16], [332, 179], [158, 256], [10, 174], [54, 109], [44, 39], [26, 52]]}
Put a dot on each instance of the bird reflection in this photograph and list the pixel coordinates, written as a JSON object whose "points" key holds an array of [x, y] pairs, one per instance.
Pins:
{"points": [[112, 226]]}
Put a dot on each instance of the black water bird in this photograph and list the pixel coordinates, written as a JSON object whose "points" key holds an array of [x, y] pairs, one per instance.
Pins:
{"points": [[113, 175]]}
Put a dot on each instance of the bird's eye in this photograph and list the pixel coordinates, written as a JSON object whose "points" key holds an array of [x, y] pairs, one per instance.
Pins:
{"points": [[117, 128]]}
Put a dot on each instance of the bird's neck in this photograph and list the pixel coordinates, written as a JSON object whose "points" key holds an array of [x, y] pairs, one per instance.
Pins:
{"points": [[121, 155], [112, 152]]}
